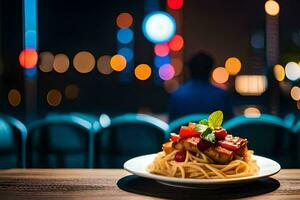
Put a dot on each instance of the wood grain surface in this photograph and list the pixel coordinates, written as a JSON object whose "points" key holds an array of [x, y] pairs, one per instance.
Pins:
{"points": [[119, 184]]}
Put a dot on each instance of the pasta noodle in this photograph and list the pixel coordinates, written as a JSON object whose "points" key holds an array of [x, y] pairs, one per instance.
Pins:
{"points": [[202, 167]]}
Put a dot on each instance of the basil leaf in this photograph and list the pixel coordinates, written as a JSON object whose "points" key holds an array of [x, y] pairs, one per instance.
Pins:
{"points": [[208, 135], [204, 122], [215, 119]]}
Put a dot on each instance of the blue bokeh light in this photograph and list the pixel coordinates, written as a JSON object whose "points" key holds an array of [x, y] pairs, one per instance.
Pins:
{"points": [[159, 27], [159, 61], [126, 52], [125, 35]]}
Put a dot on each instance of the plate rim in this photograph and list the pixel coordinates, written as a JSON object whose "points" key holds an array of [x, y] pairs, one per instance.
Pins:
{"points": [[177, 180]]}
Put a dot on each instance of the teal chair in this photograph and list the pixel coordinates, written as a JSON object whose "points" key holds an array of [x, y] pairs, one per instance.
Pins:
{"points": [[296, 130], [8, 152], [290, 120], [19, 133], [268, 136], [175, 125], [128, 136], [60, 141]]}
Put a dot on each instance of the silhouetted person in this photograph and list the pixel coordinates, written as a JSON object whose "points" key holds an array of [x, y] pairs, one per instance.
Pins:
{"points": [[198, 95]]}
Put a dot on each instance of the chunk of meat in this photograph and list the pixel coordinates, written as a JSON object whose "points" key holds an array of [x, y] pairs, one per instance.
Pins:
{"points": [[167, 147], [219, 154]]}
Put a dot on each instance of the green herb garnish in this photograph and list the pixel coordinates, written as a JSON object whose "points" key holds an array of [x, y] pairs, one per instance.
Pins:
{"points": [[215, 119], [204, 122], [208, 135]]}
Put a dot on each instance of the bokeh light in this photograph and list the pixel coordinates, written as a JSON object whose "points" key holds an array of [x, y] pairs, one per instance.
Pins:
{"points": [[104, 120], [72, 91], [54, 97], [14, 97], [272, 7], [233, 65], [103, 65], [159, 27], [166, 72], [279, 73], [159, 61], [220, 75], [46, 60], [178, 65], [175, 4], [84, 62], [142, 72], [61, 63], [28, 58], [171, 85], [161, 49], [176, 43], [292, 71], [295, 93], [127, 53], [118, 62], [251, 85], [125, 35], [252, 112], [124, 20]]}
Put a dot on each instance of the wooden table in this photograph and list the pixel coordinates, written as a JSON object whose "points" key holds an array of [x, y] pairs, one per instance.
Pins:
{"points": [[118, 184]]}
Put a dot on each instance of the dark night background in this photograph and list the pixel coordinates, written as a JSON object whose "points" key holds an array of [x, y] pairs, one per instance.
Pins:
{"points": [[223, 28]]}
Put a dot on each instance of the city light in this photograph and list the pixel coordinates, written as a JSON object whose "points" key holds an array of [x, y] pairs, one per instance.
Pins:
{"points": [[14, 97], [159, 27], [125, 35], [233, 65], [175, 4], [142, 72], [292, 71], [127, 53], [84, 62], [159, 61], [252, 112], [61, 63], [118, 63], [272, 8], [279, 73], [103, 65], [295, 93], [251, 85], [28, 58], [220, 75], [124, 20], [166, 72], [176, 43], [46, 60], [54, 97], [161, 50]]}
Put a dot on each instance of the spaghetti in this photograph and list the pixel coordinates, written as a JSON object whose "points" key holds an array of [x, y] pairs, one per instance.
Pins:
{"points": [[205, 150]]}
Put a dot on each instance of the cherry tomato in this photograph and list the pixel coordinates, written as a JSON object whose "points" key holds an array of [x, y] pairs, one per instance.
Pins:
{"points": [[180, 156], [220, 133], [174, 137], [186, 132], [228, 145], [203, 145]]}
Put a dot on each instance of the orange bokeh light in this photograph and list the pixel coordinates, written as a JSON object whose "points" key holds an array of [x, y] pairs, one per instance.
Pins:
{"points": [[142, 72], [118, 63], [233, 65], [220, 75], [124, 20], [176, 43], [28, 58]]}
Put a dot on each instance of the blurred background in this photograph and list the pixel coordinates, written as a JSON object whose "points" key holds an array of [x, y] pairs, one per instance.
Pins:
{"points": [[97, 58]]}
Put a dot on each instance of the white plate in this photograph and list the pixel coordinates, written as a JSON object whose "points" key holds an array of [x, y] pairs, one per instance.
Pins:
{"points": [[138, 165]]}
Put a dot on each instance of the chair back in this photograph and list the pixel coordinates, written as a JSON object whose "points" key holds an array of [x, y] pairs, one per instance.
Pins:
{"points": [[175, 125], [19, 134], [268, 136], [128, 136], [63, 141]]}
